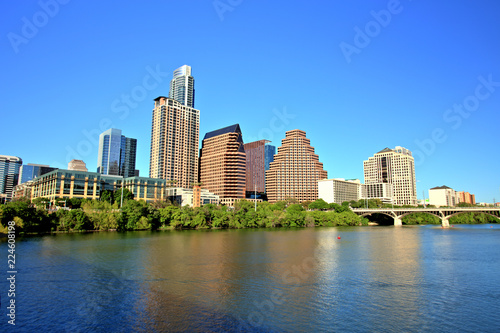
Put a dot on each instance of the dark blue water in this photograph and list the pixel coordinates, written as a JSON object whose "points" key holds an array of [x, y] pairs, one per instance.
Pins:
{"points": [[391, 279]]}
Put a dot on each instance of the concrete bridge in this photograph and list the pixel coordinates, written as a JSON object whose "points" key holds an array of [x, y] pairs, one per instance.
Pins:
{"points": [[443, 213]]}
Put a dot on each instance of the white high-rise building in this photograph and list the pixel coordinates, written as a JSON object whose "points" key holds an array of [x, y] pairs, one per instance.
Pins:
{"points": [[397, 167], [174, 142]]}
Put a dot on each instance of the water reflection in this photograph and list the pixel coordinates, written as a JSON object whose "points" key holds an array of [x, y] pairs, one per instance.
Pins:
{"points": [[372, 279]]}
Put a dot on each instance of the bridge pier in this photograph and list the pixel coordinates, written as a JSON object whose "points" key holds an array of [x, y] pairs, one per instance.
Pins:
{"points": [[398, 220], [444, 222]]}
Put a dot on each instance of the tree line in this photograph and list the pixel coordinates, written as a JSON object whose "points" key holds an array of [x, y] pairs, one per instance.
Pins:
{"points": [[106, 214]]}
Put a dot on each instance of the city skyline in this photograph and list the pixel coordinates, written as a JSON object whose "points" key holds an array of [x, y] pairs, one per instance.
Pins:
{"points": [[424, 77]]}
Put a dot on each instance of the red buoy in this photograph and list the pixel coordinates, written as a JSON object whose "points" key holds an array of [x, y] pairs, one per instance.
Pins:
{"points": [[338, 237]]}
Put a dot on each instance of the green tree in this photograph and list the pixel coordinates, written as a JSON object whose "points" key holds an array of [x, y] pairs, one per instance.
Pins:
{"points": [[132, 211], [319, 204], [107, 195], [338, 208]]}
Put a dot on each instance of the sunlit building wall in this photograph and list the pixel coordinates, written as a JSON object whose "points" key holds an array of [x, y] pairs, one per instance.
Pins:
{"points": [[397, 167], [174, 142], [295, 171], [223, 163]]}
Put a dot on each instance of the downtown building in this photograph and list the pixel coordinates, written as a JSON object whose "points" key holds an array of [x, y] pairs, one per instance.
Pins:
{"points": [[259, 155], [396, 167], [295, 171], [10, 167], [117, 154], [62, 184], [443, 196], [339, 190], [77, 165], [31, 171], [223, 164], [175, 133], [182, 86], [466, 197]]}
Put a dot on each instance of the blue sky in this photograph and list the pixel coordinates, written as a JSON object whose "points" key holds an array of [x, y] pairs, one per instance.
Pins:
{"points": [[357, 76]]}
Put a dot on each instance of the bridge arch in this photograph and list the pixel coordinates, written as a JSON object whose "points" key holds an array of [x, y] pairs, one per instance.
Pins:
{"points": [[430, 213], [383, 218]]}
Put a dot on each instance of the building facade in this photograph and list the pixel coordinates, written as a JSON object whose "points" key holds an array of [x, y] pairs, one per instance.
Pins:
{"points": [[182, 86], [443, 196], [397, 167], [295, 171], [193, 197], [339, 190], [117, 154], [63, 184], [174, 142], [467, 197], [259, 155], [22, 190], [382, 191], [10, 167], [31, 171], [223, 163]]}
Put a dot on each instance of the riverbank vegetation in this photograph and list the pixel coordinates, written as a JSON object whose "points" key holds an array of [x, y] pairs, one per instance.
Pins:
{"points": [[99, 215]]}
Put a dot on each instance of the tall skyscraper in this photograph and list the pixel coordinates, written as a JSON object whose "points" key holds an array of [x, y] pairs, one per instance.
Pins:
{"points": [[116, 154], [182, 86], [259, 156], [9, 175], [174, 142], [223, 163], [295, 171], [397, 167], [30, 171]]}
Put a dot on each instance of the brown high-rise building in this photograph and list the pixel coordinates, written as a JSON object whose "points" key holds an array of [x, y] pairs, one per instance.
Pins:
{"points": [[174, 142], [222, 163], [467, 197], [295, 171], [259, 156]]}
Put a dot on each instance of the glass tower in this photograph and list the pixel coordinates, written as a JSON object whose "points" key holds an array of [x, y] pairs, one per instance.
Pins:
{"points": [[9, 175], [182, 86], [116, 154], [31, 171]]}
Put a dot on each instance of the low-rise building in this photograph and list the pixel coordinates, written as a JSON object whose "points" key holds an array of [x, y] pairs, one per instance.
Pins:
{"points": [[443, 196], [382, 191], [89, 185], [22, 190], [338, 190], [187, 196]]}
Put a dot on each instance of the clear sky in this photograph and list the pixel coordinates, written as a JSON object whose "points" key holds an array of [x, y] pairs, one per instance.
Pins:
{"points": [[357, 76]]}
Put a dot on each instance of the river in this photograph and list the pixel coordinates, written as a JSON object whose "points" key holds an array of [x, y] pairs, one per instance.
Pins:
{"points": [[353, 279]]}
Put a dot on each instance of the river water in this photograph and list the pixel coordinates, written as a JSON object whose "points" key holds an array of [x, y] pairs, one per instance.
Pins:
{"points": [[391, 279]]}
